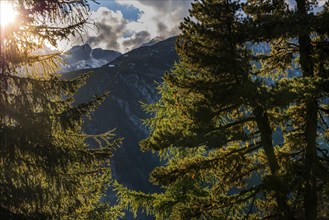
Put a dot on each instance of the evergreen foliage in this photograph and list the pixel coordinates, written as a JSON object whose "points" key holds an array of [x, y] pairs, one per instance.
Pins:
{"points": [[48, 171], [243, 132]]}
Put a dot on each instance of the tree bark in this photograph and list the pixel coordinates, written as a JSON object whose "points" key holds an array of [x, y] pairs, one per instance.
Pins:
{"points": [[280, 189], [311, 120]]}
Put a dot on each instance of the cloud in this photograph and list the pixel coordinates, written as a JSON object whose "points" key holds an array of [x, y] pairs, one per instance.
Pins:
{"points": [[138, 39], [110, 28], [159, 18], [114, 31]]}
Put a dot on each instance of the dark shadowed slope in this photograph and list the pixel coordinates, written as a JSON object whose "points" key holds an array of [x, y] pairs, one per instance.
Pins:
{"points": [[130, 79]]}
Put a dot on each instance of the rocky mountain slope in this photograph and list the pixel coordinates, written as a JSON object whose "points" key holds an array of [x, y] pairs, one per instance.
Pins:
{"points": [[84, 57], [131, 79]]}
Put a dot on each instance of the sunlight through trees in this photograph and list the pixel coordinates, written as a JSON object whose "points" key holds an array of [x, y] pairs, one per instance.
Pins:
{"points": [[47, 169]]}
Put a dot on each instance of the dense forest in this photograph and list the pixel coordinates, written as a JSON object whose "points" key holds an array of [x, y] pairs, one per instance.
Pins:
{"points": [[47, 169], [242, 131], [224, 103]]}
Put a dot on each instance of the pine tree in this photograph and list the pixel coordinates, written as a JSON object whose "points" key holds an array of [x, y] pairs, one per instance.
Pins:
{"points": [[224, 103], [48, 171]]}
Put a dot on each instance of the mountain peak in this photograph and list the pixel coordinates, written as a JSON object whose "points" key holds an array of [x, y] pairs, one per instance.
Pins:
{"points": [[84, 57]]}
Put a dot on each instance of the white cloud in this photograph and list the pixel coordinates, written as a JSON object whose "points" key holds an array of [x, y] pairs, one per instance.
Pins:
{"points": [[111, 31], [159, 18]]}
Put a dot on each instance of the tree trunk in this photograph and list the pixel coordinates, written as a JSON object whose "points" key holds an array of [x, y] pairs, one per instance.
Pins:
{"points": [[266, 139], [311, 121]]}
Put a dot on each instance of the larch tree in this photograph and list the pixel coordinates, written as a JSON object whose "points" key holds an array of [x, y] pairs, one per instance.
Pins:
{"points": [[48, 171], [242, 122]]}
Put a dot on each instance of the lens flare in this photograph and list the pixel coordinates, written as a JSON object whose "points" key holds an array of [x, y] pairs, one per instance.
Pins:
{"points": [[7, 13]]}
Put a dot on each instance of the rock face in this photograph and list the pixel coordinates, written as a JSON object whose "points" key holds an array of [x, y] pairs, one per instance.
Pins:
{"points": [[84, 57], [131, 79]]}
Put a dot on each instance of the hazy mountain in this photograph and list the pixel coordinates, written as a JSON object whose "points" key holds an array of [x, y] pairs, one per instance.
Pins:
{"points": [[131, 79], [84, 57]]}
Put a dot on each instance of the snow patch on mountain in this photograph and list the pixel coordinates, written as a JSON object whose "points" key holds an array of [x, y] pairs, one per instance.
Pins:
{"points": [[84, 57]]}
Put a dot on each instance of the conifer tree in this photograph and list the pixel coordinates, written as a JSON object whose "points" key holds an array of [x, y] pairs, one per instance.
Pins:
{"points": [[242, 122], [48, 171]]}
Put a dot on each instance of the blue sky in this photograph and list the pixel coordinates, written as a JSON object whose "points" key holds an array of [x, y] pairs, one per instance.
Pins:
{"points": [[123, 25], [129, 12]]}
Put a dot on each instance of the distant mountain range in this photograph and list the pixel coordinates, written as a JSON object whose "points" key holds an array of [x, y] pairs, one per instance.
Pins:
{"points": [[84, 57], [131, 79]]}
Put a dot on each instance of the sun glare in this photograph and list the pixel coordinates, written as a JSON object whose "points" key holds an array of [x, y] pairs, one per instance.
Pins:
{"points": [[7, 13]]}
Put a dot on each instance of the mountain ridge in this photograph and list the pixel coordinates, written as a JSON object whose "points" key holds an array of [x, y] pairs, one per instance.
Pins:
{"points": [[85, 57]]}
